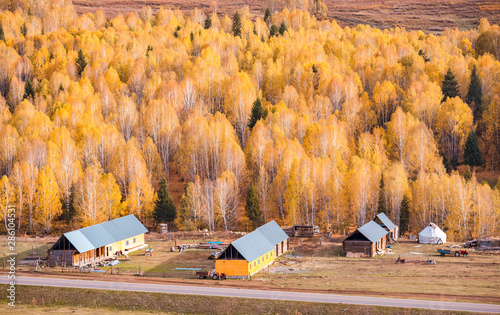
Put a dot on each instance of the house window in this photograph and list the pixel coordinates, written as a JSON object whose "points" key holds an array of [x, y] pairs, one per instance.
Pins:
{"points": [[266, 256], [259, 261], [110, 248], [134, 240], [254, 264], [126, 242]]}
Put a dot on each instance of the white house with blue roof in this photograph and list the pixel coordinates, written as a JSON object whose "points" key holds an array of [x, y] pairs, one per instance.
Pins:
{"points": [[97, 242]]}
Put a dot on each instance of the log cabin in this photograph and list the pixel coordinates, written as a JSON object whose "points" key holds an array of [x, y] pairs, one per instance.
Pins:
{"points": [[365, 241]]}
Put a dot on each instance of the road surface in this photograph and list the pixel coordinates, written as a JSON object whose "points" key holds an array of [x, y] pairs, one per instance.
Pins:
{"points": [[256, 294]]}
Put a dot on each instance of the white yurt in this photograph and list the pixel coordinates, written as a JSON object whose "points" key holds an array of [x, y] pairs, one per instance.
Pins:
{"points": [[432, 234]]}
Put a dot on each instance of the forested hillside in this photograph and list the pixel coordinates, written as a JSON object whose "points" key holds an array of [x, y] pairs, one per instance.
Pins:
{"points": [[328, 125]]}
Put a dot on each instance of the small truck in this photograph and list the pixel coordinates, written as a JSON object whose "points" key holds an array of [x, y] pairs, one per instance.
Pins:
{"points": [[211, 274], [458, 253]]}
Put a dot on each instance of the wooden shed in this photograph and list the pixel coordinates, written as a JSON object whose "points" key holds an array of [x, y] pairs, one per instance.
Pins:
{"points": [[97, 242], [365, 241], [252, 252], [387, 224]]}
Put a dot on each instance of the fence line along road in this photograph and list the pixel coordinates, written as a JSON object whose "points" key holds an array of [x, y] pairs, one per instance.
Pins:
{"points": [[256, 294]]}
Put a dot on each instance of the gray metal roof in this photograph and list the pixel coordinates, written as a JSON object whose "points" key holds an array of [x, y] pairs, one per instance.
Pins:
{"points": [[105, 233], [372, 231], [273, 233], [386, 221], [260, 241]]}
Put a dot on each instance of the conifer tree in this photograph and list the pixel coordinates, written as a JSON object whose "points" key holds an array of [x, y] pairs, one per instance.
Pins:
{"points": [[283, 28], [404, 215], [24, 29], [382, 202], [267, 15], [208, 23], [474, 93], [2, 34], [29, 92], [257, 113], [274, 31], [237, 27], [81, 62], [449, 86], [472, 154], [252, 207], [164, 211]]}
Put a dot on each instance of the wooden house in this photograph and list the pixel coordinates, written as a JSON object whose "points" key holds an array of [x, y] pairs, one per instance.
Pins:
{"points": [[387, 224], [365, 241], [252, 252], [302, 230], [97, 242]]}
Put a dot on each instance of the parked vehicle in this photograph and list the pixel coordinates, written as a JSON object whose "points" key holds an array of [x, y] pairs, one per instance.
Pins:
{"points": [[457, 253], [211, 274]]}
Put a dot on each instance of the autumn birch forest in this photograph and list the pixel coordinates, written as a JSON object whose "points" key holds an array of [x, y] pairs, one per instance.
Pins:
{"points": [[320, 124]]}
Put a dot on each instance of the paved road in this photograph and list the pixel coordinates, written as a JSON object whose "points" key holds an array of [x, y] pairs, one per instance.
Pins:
{"points": [[257, 294]]}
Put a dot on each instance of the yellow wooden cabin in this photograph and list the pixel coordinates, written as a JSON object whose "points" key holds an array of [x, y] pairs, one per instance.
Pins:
{"points": [[97, 242], [252, 252]]}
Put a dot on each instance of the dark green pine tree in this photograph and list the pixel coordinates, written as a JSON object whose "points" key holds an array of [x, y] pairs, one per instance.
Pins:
{"points": [[267, 15], [382, 202], [24, 29], [446, 162], [472, 154], [148, 50], [252, 207], [404, 215], [70, 211], [283, 28], [164, 211], [257, 113], [208, 23], [449, 86], [422, 54], [81, 62], [29, 92], [2, 34], [237, 27], [475, 94], [274, 31]]}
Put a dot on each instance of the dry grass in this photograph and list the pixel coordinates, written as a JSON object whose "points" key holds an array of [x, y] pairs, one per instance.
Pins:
{"points": [[48, 299], [314, 268], [321, 268], [428, 15]]}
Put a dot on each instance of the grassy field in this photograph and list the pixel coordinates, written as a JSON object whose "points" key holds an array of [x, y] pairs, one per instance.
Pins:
{"points": [[37, 300]]}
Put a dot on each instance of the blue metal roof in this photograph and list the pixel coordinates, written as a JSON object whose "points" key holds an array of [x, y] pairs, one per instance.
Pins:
{"points": [[260, 241], [273, 233], [105, 233], [372, 231], [386, 221]]}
